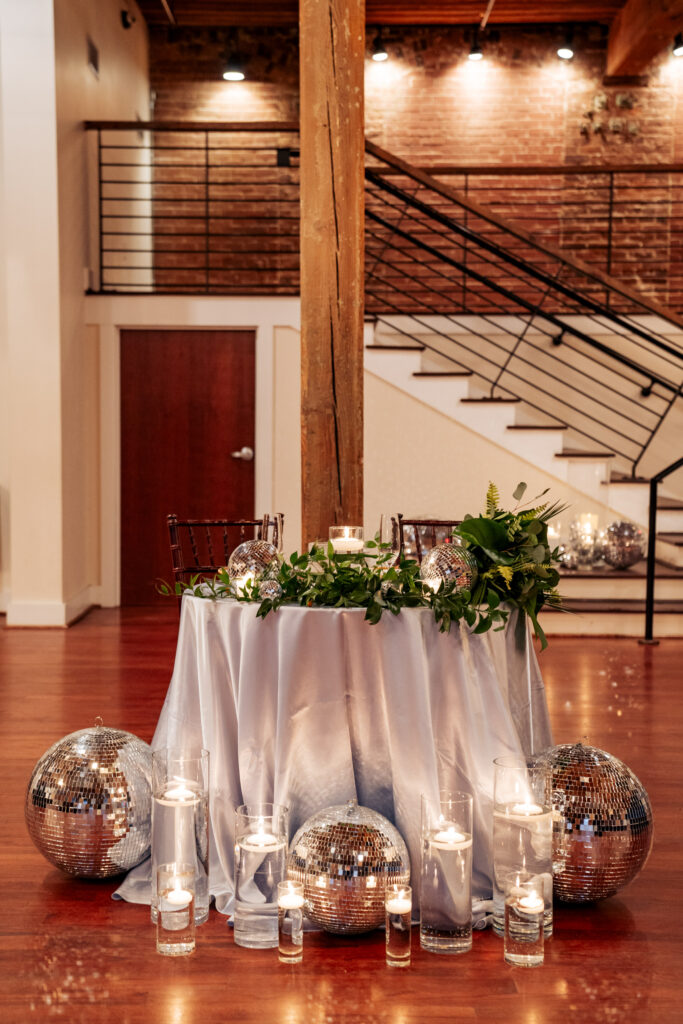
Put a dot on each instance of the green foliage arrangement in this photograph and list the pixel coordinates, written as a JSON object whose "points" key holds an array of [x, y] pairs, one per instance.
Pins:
{"points": [[511, 549]]}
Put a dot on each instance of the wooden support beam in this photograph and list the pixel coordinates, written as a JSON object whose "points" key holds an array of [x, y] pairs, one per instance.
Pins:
{"points": [[641, 30], [332, 54]]}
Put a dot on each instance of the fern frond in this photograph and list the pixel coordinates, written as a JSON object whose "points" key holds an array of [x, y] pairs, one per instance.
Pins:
{"points": [[492, 499]]}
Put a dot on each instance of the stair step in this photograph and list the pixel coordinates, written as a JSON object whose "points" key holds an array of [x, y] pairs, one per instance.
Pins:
{"points": [[596, 606], [443, 373], [669, 503], [483, 401], [663, 571], [624, 478], [672, 538], [395, 348], [532, 426], [576, 453]]}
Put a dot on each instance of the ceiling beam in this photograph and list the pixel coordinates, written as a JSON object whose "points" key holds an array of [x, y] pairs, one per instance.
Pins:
{"points": [[640, 31]]}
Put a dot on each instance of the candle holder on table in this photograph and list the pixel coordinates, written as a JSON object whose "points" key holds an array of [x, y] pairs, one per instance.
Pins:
{"points": [[446, 873], [524, 912], [290, 922], [180, 819], [175, 886], [260, 865], [346, 540], [398, 904], [522, 830]]}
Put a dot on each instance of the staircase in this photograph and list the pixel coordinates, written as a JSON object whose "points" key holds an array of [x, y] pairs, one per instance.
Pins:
{"points": [[554, 362]]}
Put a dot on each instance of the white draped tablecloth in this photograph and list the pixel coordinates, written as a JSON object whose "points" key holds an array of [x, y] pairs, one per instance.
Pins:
{"points": [[311, 707]]}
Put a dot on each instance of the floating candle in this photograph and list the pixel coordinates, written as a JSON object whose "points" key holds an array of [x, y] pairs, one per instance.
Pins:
{"points": [[178, 898], [262, 841], [527, 809], [398, 905], [450, 839], [290, 901], [532, 903]]}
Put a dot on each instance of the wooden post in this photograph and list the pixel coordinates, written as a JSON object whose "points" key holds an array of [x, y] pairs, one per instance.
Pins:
{"points": [[332, 53]]}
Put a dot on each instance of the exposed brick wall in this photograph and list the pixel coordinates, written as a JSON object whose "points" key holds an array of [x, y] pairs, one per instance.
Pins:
{"points": [[430, 105]]}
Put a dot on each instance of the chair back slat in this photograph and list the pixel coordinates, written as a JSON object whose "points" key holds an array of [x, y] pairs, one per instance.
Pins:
{"points": [[202, 546], [420, 535]]}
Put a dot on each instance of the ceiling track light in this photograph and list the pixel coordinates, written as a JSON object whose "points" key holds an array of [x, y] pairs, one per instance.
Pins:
{"points": [[678, 45], [565, 50], [233, 70], [476, 52], [379, 50]]}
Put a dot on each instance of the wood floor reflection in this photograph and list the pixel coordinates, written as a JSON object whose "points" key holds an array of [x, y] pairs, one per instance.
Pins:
{"points": [[69, 953]]}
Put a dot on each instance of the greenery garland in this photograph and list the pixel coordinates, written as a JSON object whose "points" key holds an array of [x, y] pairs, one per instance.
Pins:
{"points": [[514, 560]]}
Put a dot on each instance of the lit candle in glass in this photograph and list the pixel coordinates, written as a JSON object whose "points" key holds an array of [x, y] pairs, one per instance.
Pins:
{"points": [[346, 540], [290, 903]]}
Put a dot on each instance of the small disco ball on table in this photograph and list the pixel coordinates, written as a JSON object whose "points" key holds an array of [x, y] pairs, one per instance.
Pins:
{"points": [[345, 856], [449, 565], [602, 823], [88, 803]]}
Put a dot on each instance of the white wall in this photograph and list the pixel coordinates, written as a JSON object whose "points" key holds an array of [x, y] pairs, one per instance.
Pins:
{"points": [[49, 452]]}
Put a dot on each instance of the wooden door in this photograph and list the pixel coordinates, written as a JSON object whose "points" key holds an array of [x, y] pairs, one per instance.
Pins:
{"points": [[187, 402]]}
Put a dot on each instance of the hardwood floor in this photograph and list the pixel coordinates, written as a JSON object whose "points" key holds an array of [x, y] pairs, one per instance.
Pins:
{"points": [[71, 954]]}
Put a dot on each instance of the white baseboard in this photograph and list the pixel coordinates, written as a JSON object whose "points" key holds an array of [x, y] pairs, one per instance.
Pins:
{"points": [[49, 613]]}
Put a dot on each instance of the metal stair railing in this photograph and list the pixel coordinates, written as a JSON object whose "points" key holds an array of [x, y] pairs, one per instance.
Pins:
{"points": [[529, 322]]}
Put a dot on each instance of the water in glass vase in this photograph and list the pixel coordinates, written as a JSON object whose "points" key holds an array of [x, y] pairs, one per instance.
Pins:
{"points": [[258, 870], [180, 834], [446, 893], [522, 840]]}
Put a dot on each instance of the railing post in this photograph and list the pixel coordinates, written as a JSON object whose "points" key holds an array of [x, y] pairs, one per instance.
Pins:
{"points": [[206, 212], [610, 222], [650, 577], [100, 207]]}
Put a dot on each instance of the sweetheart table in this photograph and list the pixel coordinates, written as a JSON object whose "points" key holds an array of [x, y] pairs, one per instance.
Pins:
{"points": [[311, 707]]}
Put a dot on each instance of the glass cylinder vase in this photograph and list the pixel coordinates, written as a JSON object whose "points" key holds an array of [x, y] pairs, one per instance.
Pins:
{"points": [[446, 873]]}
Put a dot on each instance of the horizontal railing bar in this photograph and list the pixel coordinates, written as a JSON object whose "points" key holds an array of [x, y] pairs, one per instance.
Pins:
{"points": [[188, 216], [542, 170], [641, 406], [517, 299], [478, 211], [186, 199], [507, 257], [193, 126]]}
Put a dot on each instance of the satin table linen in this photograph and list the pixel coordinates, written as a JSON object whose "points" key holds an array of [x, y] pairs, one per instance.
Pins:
{"points": [[313, 706]]}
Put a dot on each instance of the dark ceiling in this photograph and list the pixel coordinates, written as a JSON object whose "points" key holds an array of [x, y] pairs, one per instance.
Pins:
{"points": [[215, 13]]}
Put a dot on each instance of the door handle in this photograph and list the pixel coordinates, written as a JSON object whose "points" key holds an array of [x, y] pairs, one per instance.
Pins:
{"points": [[245, 453]]}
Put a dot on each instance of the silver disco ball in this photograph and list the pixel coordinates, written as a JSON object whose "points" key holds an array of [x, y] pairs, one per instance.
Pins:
{"points": [[624, 543], [602, 823], [253, 560], [451, 565], [270, 589], [89, 802], [345, 856]]}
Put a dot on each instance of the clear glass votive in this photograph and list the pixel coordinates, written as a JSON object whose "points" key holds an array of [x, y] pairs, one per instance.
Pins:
{"points": [[398, 904], [180, 818], [522, 830], [260, 865], [524, 911], [346, 540], [290, 922], [446, 874], [175, 901]]}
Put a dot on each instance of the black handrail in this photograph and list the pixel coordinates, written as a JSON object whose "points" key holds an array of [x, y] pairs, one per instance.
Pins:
{"points": [[651, 544], [507, 257]]}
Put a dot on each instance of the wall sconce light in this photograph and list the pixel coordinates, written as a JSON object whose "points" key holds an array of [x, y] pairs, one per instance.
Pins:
{"points": [[379, 50], [476, 52], [678, 45], [565, 50], [233, 70]]}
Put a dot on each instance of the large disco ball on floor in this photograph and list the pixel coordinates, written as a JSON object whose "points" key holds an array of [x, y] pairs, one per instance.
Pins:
{"points": [[345, 856], [89, 802], [602, 823]]}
